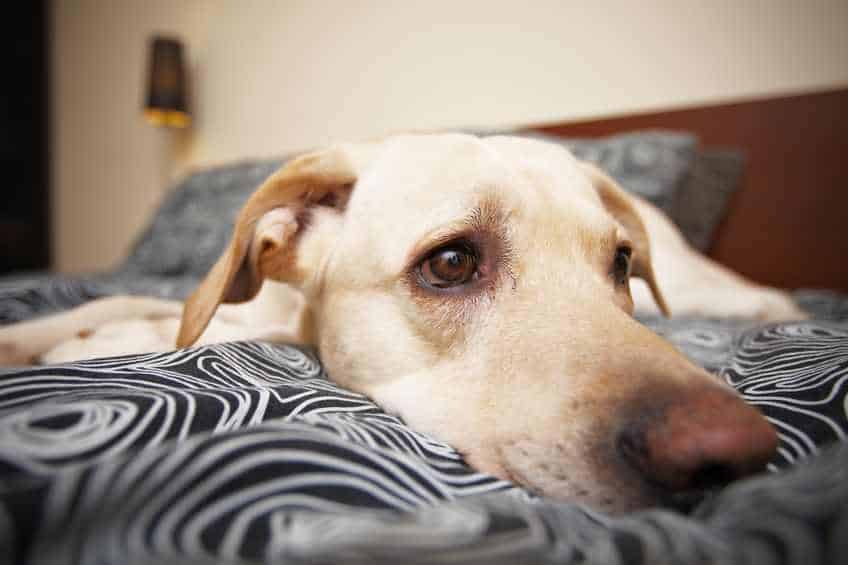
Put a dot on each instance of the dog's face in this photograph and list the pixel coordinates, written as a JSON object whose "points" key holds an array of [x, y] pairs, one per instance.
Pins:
{"points": [[479, 289]]}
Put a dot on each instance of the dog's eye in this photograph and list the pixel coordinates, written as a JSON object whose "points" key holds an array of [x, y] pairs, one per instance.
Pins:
{"points": [[453, 265], [621, 265]]}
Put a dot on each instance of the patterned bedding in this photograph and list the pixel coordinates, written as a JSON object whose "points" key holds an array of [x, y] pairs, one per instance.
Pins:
{"points": [[247, 452]]}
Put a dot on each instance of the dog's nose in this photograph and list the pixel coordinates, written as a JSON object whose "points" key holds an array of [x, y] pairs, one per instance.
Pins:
{"points": [[706, 440]]}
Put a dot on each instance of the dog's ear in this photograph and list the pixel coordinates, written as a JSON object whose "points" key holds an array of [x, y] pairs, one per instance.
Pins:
{"points": [[617, 203], [269, 230]]}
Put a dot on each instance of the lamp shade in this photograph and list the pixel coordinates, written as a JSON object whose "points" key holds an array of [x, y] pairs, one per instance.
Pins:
{"points": [[167, 89]]}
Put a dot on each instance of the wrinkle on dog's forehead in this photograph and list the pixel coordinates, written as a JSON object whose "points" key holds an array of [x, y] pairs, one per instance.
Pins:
{"points": [[414, 186]]}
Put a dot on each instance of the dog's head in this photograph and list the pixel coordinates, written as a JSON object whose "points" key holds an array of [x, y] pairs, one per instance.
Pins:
{"points": [[479, 289]]}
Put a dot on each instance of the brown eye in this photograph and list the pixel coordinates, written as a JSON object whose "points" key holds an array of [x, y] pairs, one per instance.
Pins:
{"points": [[621, 265], [449, 266]]}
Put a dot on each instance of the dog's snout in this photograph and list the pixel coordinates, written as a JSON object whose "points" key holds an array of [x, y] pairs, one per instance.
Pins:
{"points": [[707, 439]]}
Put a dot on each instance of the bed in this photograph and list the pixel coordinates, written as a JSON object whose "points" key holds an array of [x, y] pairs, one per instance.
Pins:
{"points": [[246, 452]]}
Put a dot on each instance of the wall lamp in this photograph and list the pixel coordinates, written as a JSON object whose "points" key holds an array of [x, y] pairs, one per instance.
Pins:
{"points": [[167, 88]]}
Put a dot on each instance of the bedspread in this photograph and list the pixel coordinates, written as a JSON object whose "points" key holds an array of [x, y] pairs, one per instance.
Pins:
{"points": [[247, 452]]}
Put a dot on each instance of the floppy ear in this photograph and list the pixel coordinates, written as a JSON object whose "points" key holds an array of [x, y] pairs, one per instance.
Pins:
{"points": [[618, 204], [268, 231]]}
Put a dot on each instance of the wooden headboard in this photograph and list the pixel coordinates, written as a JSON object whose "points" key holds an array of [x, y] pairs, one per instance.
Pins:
{"points": [[788, 224]]}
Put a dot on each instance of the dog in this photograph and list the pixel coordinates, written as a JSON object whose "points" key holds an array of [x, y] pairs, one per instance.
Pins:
{"points": [[479, 288]]}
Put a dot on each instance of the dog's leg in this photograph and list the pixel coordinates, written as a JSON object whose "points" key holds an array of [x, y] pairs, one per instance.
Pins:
{"points": [[697, 286], [120, 325], [25, 342]]}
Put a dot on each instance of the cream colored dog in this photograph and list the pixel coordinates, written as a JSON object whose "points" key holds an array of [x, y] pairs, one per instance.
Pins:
{"points": [[479, 288]]}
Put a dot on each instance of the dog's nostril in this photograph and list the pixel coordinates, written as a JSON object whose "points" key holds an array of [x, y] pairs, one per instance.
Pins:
{"points": [[712, 475], [631, 445]]}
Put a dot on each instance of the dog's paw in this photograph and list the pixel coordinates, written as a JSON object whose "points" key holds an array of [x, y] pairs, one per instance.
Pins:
{"points": [[774, 305]]}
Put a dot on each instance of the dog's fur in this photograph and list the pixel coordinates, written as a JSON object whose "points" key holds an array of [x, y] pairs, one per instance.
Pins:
{"points": [[534, 370]]}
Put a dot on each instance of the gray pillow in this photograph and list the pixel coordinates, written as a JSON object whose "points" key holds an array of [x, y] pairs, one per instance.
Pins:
{"points": [[194, 223], [702, 202]]}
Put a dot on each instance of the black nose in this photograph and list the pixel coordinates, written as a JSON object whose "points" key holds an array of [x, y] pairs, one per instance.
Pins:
{"points": [[705, 439]]}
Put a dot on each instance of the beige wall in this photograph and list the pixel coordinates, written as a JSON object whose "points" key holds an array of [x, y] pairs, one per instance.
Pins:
{"points": [[276, 76], [108, 166]]}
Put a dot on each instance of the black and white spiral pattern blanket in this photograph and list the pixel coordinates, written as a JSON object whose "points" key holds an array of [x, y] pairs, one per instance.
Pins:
{"points": [[247, 452]]}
